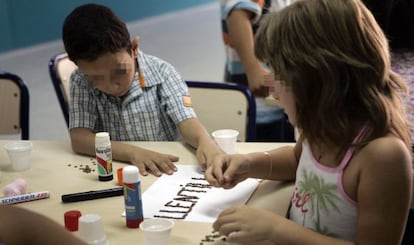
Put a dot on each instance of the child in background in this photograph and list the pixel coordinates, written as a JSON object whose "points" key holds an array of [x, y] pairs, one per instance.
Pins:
{"points": [[239, 21], [352, 164], [131, 95]]}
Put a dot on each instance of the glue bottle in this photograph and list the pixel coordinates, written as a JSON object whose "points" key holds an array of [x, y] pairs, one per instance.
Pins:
{"points": [[103, 152], [132, 196]]}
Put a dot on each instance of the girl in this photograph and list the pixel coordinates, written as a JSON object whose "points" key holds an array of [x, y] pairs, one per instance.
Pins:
{"points": [[352, 164]]}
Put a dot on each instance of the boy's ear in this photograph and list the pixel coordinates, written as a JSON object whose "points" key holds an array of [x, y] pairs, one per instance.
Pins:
{"points": [[134, 45]]}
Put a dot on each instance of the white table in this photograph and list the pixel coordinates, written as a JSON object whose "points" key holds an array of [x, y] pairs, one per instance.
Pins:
{"points": [[56, 168]]}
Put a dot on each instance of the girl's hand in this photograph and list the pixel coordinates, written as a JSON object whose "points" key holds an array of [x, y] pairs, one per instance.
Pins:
{"points": [[228, 170], [246, 224]]}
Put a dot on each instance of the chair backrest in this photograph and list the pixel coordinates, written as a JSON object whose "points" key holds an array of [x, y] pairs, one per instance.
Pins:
{"points": [[14, 105], [222, 105], [60, 68]]}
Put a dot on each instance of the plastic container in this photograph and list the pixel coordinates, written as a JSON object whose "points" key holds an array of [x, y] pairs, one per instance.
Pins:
{"points": [[226, 139], [19, 154], [157, 231], [91, 230]]}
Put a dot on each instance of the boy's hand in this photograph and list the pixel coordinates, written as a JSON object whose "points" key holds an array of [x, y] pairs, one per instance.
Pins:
{"points": [[154, 162], [207, 152]]}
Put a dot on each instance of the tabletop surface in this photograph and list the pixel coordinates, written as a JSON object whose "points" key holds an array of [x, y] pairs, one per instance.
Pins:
{"points": [[55, 168]]}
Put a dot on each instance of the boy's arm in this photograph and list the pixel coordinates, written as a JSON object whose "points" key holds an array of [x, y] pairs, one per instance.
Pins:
{"points": [[83, 142], [195, 134]]}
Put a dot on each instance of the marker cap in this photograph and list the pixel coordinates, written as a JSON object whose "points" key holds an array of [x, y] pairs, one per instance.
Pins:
{"points": [[72, 220], [119, 175]]}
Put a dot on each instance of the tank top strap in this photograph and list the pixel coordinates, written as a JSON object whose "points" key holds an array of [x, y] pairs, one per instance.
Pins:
{"points": [[350, 152]]}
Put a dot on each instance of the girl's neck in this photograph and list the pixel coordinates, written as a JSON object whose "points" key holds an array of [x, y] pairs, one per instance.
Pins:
{"points": [[326, 154]]}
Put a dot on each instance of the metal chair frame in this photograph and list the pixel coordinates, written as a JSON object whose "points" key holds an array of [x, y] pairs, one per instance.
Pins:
{"points": [[250, 111], [60, 80], [24, 107]]}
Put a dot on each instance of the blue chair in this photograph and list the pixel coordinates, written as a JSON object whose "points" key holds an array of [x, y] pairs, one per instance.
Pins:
{"points": [[224, 105], [14, 105]]}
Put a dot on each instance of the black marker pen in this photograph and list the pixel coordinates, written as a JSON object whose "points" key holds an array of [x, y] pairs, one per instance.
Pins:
{"points": [[91, 195]]}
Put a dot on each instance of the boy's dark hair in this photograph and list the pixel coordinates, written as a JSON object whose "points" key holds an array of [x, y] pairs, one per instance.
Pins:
{"points": [[92, 30]]}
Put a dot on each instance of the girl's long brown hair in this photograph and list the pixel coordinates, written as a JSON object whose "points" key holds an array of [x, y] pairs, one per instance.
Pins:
{"points": [[336, 59]]}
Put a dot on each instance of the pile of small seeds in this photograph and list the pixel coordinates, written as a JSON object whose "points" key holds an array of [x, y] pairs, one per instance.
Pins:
{"points": [[85, 167]]}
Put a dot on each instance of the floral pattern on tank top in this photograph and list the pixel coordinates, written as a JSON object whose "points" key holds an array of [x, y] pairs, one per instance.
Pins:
{"points": [[319, 201]]}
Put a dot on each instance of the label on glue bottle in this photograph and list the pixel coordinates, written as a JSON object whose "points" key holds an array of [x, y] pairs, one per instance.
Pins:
{"points": [[103, 152], [132, 196]]}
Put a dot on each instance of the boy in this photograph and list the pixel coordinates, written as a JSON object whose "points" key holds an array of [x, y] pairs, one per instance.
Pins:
{"points": [[131, 95]]}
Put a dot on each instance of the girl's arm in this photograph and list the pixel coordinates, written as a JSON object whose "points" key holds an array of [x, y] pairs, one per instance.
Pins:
{"points": [[384, 191], [382, 188], [278, 164], [250, 225]]}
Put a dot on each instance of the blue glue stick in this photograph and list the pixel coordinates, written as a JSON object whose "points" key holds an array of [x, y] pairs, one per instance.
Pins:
{"points": [[132, 196]]}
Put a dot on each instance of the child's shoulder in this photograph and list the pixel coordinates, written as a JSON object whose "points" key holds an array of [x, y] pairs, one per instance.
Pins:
{"points": [[385, 151], [77, 78], [154, 62]]}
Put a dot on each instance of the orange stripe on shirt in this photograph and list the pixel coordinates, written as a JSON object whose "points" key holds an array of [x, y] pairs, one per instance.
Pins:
{"points": [[226, 39], [261, 3]]}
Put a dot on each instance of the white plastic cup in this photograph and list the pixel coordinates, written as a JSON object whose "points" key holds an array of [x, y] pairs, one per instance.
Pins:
{"points": [[157, 231], [19, 154], [91, 230], [226, 139]]}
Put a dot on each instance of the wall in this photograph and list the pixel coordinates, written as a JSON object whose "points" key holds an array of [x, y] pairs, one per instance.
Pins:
{"points": [[27, 22]]}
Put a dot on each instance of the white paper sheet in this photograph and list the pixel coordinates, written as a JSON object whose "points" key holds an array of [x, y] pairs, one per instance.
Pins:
{"points": [[188, 192]]}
